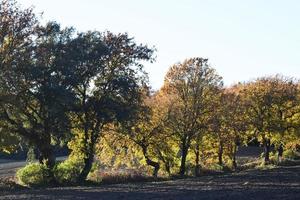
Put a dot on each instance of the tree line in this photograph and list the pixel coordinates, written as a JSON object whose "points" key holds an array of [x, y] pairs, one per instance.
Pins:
{"points": [[89, 91]]}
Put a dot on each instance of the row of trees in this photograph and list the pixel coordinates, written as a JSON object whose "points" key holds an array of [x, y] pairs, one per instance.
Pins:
{"points": [[89, 90], [194, 119]]}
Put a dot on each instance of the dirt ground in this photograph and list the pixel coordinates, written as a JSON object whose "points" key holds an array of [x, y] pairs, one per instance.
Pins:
{"points": [[279, 183]]}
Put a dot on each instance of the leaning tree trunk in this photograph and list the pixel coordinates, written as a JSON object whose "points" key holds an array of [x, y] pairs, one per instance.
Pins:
{"points": [[89, 148], [150, 162], [88, 163], [89, 151], [155, 165]]}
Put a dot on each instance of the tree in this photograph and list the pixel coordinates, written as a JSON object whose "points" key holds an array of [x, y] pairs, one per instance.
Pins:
{"points": [[110, 88], [189, 83], [38, 104], [270, 103], [148, 132], [229, 123]]}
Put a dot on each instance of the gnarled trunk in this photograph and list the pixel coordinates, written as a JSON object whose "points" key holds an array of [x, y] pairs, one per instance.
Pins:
{"points": [[89, 149], [47, 157], [150, 162], [46, 153], [155, 165], [88, 163], [89, 158]]}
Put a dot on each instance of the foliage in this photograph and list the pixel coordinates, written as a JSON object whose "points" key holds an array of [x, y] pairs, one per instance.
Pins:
{"points": [[33, 174], [291, 154], [68, 171], [89, 90], [191, 86], [271, 107], [8, 142], [111, 88]]}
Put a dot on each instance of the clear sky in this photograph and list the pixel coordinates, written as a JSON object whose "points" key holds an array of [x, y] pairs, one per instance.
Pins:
{"points": [[242, 39]]}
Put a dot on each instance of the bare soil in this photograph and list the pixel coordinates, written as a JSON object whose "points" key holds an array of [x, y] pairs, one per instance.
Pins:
{"points": [[279, 183]]}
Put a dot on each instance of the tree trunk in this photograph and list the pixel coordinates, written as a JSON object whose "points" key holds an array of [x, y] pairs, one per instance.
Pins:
{"points": [[155, 165], [46, 153], [267, 144], [88, 159], [150, 162], [197, 161], [89, 150], [183, 159], [88, 163], [280, 153], [234, 164], [168, 168], [165, 161], [47, 158], [220, 153]]}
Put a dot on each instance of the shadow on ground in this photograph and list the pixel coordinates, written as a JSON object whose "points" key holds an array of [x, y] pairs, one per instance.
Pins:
{"points": [[279, 183]]}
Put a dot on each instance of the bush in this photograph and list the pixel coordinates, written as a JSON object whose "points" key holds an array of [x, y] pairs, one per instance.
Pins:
{"points": [[291, 154], [68, 171], [33, 174]]}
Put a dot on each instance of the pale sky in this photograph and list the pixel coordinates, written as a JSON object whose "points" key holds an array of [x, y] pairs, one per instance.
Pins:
{"points": [[243, 39]]}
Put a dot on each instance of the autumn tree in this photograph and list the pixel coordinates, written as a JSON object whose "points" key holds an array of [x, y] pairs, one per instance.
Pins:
{"points": [[229, 123], [270, 103], [148, 132], [189, 84]]}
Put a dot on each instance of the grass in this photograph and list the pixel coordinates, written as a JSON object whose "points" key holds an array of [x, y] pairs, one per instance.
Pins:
{"points": [[9, 183], [122, 177], [98, 177]]}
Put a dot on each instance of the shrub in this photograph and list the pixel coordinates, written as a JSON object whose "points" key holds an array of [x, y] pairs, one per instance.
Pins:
{"points": [[33, 174], [291, 154], [68, 171]]}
